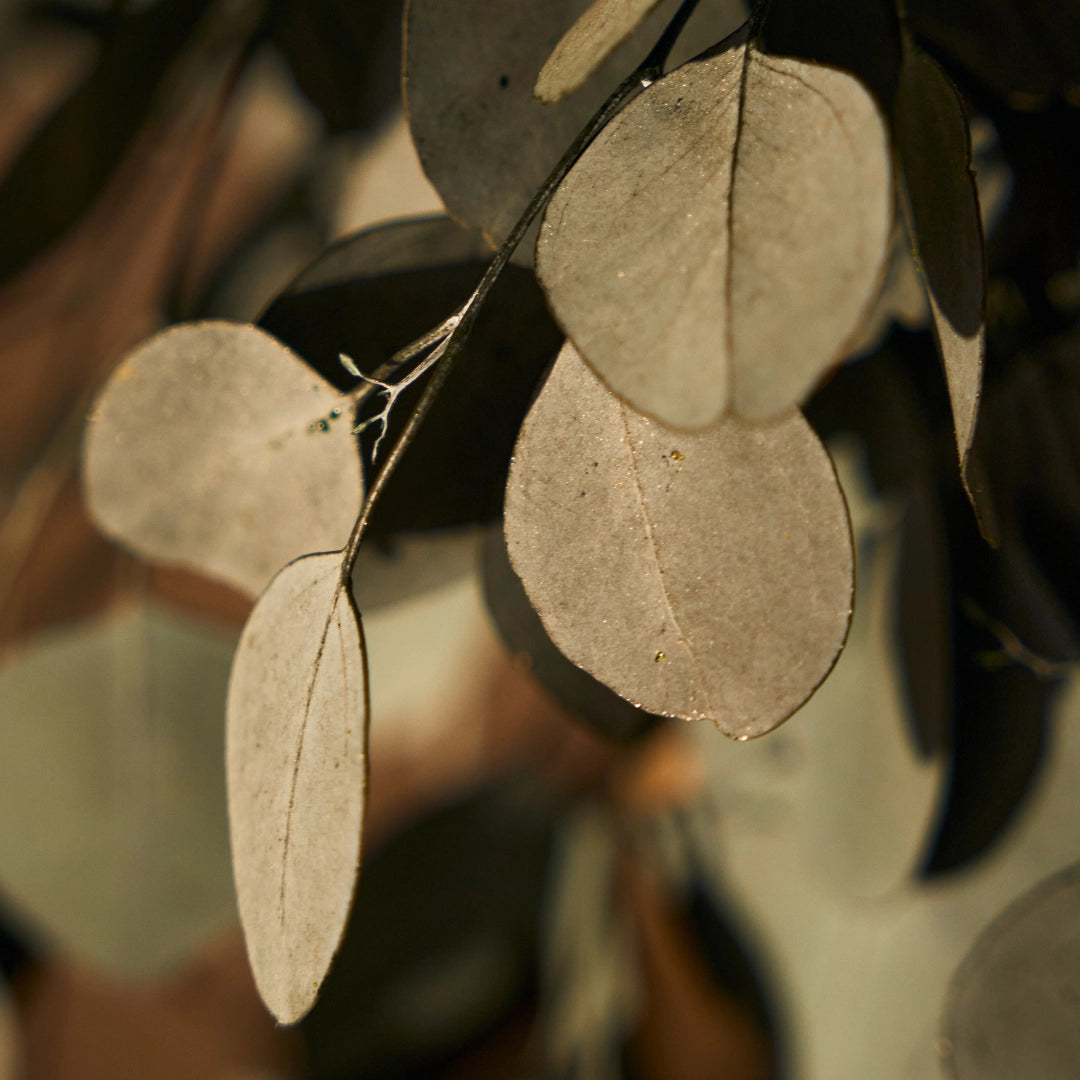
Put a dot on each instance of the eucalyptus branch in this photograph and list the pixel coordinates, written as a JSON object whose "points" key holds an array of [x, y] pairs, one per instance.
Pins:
{"points": [[452, 334]]}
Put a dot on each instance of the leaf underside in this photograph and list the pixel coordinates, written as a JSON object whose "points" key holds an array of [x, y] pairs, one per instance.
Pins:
{"points": [[699, 575], [296, 758]]}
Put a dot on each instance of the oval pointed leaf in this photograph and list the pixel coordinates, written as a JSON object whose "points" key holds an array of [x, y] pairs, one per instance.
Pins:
{"points": [[214, 447], [587, 44], [1014, 1004], [942, 209], [701, 575], [296, 757], [715, 247]]}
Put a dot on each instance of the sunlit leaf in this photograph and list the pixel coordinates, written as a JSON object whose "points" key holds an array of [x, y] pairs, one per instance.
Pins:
{"points": [[942, 206], [714, 249], [587, 44], [701, 575], [214, 447], [1014, 1004], [297, 720], [121, 857], [344, 56]]}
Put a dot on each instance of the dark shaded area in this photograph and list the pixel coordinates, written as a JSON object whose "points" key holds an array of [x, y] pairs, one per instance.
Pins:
{"points": [[15, 952], [344, 56], [71, 157], [584, 697], [441, 946], [862, 38], [455, 471], [934, 154], [1023, 51]]}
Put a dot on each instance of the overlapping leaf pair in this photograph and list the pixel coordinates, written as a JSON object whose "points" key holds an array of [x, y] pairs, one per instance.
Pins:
{"points": [[678, 525]]}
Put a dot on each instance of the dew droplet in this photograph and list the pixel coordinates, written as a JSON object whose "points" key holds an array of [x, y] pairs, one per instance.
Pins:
{"points": [[335, 413], [660, 656], [323, 425], [742, 738], [676, 456]]}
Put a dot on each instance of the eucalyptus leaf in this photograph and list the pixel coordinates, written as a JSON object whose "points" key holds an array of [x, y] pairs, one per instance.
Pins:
{"points": [[942, 209], [1014, 1003], [297, 722], [121, 858], [523, 634], [215, 448], [700, 575], [715, 247], [604, 26], [484, 141]]}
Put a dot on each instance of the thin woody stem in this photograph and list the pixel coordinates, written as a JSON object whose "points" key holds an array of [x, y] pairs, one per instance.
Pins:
{"points": [[453, 342]]}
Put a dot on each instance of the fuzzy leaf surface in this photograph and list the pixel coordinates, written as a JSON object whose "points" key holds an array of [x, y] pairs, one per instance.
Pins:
{"points": [[296, 759], [699, 575], [214, 447], [715, 247]]}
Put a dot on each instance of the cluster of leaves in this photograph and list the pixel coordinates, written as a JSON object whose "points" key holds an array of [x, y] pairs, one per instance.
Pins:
{"points": [[719, 205], [712, 240]]}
